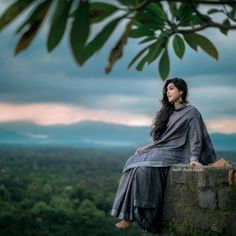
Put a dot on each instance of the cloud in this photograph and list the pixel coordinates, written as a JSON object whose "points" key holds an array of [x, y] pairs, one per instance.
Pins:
{"points": [[53, 82], [51, 114], [54, 114], [36, 136], [213, 95], [222, 126], [214, 102]]}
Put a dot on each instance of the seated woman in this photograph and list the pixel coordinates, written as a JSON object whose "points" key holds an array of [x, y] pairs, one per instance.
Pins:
{"points": [[179, 136]]}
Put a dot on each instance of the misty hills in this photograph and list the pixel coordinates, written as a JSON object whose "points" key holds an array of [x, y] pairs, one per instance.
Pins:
{"points": [[85, 133], [91, 134]]}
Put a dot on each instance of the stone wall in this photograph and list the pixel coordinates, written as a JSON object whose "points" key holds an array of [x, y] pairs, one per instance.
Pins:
{"points": [[199, 201]]}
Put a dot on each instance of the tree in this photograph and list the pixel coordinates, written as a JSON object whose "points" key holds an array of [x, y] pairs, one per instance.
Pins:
{"points": [[153, 22]]}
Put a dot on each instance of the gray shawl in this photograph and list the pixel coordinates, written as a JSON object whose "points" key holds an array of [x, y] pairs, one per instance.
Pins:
{"points": [[186, 138]]}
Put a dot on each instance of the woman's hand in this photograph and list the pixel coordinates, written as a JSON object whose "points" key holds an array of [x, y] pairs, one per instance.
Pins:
{"points": [[195, 163], [140, 150]]}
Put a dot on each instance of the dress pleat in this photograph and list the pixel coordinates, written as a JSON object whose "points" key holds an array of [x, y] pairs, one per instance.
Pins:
{"points": [[139, 196]]}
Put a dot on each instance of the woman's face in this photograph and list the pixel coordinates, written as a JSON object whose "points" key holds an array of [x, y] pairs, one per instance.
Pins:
{"points": [[173, 93]]}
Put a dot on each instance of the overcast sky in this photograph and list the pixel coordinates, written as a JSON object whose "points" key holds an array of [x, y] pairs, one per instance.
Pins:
{"points": [[51, 89]]}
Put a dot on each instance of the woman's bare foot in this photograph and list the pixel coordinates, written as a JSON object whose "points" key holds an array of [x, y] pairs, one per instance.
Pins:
{"points": [[124, 224]]}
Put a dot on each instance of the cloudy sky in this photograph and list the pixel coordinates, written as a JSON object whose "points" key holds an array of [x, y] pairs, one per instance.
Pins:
{"points": [[49, 89]]}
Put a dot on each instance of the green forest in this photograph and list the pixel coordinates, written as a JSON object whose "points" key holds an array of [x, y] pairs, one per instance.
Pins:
{"points": [[59, 191]]}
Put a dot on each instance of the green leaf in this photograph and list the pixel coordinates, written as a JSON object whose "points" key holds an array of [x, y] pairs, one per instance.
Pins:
{"points": [[100, 39], [149, 20], [226, 22], [13, 11], [34, 21], [157, 10], [129, 2], [139, 54], [99, 11], [141, 64], [205, 44], [58, 25], [179, 46], [206, 18], [196, 20], [186, 16], [232, 13], [80, 31], [213, 10], [140, 32], [173, 8], [192, 43], [155, 51], [37, 14], [182, 11], [148, 39], [164, 65]]}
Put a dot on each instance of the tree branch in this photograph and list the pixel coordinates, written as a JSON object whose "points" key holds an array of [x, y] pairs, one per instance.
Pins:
{"points": [[207, 25], [220, 2], [228, 15], [198, 13], [140, 5]]}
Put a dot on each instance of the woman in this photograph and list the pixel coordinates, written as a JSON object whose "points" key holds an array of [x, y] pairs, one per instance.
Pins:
{"points": [[180, 136]]}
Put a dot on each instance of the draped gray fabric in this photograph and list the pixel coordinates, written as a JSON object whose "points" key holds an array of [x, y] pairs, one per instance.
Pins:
{"points": [[139, 197], [186, 138], [142, 184]]}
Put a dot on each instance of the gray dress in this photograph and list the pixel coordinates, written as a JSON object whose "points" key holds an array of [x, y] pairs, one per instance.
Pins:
{"points": [[141, 187]]}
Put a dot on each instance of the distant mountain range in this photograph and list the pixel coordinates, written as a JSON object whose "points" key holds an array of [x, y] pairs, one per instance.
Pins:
{"points": [[91, 134]]}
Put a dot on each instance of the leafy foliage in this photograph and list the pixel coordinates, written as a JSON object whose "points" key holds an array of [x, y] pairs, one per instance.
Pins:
{"points": [[58, 24], [158, 22], [59, 191]]}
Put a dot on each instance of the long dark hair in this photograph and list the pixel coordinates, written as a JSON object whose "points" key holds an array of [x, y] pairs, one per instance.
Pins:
{"points": [[159, 123]]}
